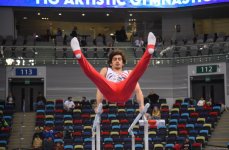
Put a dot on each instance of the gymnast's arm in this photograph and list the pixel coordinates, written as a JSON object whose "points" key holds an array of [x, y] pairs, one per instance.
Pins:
{"points": [[99, 95], [139, 96]]}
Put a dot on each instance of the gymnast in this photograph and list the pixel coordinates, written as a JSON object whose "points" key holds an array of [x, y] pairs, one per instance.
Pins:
{"points": [[113, 83]]}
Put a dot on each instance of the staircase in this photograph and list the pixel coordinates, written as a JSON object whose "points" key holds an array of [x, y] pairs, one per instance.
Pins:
{"points": [[45, 53], [220, 136], [22, 130]]}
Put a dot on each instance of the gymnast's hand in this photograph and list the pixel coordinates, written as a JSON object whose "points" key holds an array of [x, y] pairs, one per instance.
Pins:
{"points": [[76, 47], [151, 43], [141, 108], [96, 110]]}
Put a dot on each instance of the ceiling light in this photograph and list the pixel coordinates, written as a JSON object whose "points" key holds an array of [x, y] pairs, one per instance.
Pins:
{"points": [[131, 14], [60, 14], [38, 13], [25, 18], [108, 14], [83, 14]]}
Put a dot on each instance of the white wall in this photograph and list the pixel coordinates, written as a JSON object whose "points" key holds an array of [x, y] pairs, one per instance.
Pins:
{"points": [[7, 22]]}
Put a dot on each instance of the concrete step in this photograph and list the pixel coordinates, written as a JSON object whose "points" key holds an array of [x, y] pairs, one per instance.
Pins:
{"points": [[220, 135], [22, 130]]}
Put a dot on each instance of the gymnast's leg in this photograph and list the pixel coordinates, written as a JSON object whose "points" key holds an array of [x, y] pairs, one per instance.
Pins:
{"points": [[130, 83], [103, 85]]}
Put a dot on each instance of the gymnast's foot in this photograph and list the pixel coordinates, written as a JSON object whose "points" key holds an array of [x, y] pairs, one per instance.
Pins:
{"points": [[76, 47], [151, 42]]}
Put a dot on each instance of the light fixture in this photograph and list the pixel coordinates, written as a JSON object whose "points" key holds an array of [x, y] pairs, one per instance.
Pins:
{"points": [[25, 18], [38, 13], [108, 14], [158, 62], [131, 14], [83, 14], [9, 61], [60, 14]]}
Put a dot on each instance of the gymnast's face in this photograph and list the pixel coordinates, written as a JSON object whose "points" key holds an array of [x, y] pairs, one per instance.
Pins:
{"points": [[117, 62]]}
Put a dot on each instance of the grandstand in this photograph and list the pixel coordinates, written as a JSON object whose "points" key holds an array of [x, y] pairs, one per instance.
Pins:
{"points": [[190, 62]]}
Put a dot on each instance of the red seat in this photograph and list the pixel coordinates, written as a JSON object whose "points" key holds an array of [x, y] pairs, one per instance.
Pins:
{"points": [[106, 121], [106, 110], [194, 115], [59, 110], [213, 114], [108, 146], [40, 117], [77, 121], [196, 145], [123, 133], [152, 122], [77, 133], [105, 133], [181, 126], [121, 104], [124, 121], [85, 116]]}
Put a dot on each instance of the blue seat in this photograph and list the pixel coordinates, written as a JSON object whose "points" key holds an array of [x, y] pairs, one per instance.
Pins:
{"points": [[192, 139], [3, 142], [130, 110], [87, 146], [59, 116], [180, 140], [169, 146], [87, 134], [49, 122], [112, 116], [58, 141], [88, 140], [116, 127], [40, 111], [78, 140], [124, 127], [139, 146], [161, 127], [87, 110], [77, 127], [68, 147], [49, 106], [172, 127], [108, 140], [119, 146], [127, 140], [67, 116], [185, 115], [190, 126], [173, 121]]}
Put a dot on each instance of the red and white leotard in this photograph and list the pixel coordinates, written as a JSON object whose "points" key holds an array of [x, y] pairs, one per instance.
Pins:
{"points": [[116, 77]]}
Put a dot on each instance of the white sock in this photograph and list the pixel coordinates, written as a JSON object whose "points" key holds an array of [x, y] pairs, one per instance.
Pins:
{"points": [[151, 41], [76, 46]]}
